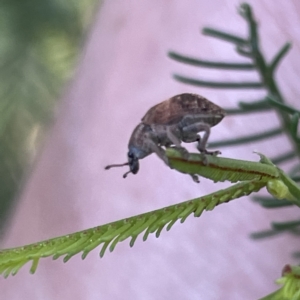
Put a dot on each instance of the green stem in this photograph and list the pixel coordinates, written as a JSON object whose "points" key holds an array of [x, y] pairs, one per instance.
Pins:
{"points": [[220, 168]]}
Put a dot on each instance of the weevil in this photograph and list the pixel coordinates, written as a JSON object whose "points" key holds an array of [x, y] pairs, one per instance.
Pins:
{"points": [[167, 124]]}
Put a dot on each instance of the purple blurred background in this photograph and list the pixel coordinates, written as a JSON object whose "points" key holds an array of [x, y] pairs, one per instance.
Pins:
{"points": [[124, 70]]}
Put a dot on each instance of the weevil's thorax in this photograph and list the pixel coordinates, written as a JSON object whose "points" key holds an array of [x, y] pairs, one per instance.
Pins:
{"points": [[161, 136], [138, 144]]}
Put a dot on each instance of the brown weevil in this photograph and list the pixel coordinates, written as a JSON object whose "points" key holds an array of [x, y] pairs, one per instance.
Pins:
{"points": [[176, 120]]}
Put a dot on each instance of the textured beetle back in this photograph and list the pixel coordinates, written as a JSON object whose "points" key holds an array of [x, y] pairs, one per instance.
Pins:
{"points": [[173, 110]]}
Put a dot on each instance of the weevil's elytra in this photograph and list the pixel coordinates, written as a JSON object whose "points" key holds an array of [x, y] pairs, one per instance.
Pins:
{"points": [[176, 120], [174, 109]]}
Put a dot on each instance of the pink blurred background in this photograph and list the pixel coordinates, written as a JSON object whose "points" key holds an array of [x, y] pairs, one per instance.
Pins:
{"points": [[124, 71]]}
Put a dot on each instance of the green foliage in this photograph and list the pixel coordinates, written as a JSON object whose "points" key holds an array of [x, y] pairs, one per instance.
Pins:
{"points": [[39, 43], [11, 260], [249, 48], [283, 187], [291, 285], [251, 177]]}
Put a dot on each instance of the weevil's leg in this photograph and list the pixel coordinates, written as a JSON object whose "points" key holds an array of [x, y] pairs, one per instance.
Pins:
{"points": [[176, 141], [201, 141], [191, 138], [195, 138], [172, 136], [160, 152], [195, 178]]}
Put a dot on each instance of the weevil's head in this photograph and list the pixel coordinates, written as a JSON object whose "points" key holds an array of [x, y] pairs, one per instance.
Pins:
{"points": [[137, 149], [135, 153], [133, 162]]}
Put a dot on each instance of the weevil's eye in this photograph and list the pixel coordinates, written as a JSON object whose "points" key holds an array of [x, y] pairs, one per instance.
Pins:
{"points": [[133, 162], [130, 155]]}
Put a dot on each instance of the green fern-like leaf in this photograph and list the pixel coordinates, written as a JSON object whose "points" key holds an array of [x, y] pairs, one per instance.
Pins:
{"points": [[253, 177], [109, 235]]}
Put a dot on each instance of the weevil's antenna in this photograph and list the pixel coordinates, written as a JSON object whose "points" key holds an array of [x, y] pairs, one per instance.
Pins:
{"points": [[125, 175], [119, 165], [116, 165]]}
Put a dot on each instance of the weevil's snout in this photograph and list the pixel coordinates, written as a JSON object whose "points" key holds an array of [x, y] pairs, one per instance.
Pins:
{"points": [[133, 162]]}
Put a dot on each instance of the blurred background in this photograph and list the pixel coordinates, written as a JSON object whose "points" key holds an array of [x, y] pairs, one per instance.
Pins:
{"points": [[40, 45], [75, 79]]}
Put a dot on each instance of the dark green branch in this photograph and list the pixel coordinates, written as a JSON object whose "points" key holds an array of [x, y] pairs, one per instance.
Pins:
{"points": [[257, 55], [284, 157], [238, 111], [245, 107], [285, 225], [247, 139], [296, 178], [269, 202], [259, 104], [222, 85], [294, 126], [223, 36], [284, 107], [210, 64], [279, 56], [244, 51], [267, 72], [265, 234]]}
